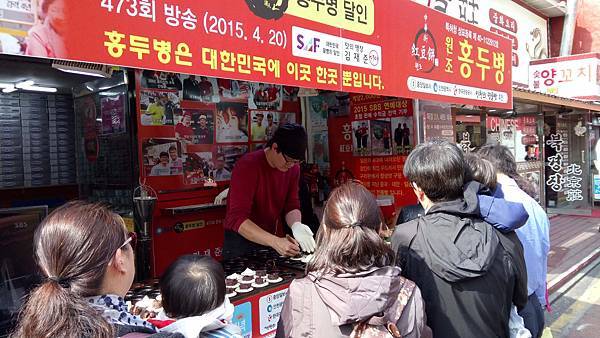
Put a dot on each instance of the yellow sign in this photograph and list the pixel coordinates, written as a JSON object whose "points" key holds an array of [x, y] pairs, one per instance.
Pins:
{"points": [[356, 16], [187, 226]]}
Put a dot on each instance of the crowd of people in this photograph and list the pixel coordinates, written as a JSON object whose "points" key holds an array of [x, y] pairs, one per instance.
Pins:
{"points": [[470, 263]]}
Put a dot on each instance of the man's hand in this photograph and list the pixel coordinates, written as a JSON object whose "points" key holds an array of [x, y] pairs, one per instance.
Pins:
{"points": [[222, 197], [304, 236], [285, 246]]}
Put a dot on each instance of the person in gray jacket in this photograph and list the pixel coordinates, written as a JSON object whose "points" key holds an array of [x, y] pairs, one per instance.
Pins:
{"points": [[352, 287]]}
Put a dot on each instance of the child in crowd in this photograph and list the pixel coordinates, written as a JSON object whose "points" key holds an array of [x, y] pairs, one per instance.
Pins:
{"points": [[193, 299]]}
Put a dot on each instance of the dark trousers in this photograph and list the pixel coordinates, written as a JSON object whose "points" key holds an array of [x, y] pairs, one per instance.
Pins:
{"points": [[533, 316]]}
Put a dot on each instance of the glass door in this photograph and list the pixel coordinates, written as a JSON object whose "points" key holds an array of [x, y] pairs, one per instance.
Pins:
{"points": [[567, 161]]}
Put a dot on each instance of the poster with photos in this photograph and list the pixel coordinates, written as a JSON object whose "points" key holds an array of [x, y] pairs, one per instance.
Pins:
{"points": [[290, 93], [200, 88], [113, 114], [381, 137], [261, 120], [157, 108], [266, 97], [231, 122], [197, 167], [234, 90], [194, 126], [160, 80], [162, 157], [402, 135], [361, 138], [229, 156]]}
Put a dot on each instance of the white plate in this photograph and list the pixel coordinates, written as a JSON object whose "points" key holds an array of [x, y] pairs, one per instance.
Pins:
{"points": [[260, 285], [275, 281], [238, 290]]}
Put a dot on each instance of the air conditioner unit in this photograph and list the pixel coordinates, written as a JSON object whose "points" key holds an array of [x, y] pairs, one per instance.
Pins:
{"points": [[83, 68]]}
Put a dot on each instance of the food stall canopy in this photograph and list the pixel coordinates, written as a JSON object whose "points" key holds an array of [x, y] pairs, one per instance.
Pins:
{"points": [[383, 47]]}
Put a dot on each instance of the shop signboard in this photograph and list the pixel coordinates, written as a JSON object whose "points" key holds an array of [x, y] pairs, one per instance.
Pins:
{"points": [[571, 76], [349, 46], [527, 30]]}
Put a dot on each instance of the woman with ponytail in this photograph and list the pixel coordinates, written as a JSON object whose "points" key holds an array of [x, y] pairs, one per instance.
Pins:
{"points": [[86, 256], [352, 288]]}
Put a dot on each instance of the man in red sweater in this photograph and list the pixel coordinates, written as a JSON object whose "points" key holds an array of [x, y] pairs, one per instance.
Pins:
{"points": [[263, 191]]}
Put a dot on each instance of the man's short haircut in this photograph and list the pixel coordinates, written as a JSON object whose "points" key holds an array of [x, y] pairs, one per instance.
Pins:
{"points": [[172, 148], [438, 168], [192, 286], [163, 154], [291, 140]]}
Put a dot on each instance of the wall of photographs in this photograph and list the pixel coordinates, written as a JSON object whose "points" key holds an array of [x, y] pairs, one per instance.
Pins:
{"points": [[192, 129]]}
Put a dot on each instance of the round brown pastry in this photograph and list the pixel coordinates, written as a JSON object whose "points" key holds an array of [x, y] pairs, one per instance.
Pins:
{"points": [[260, 282], [230, 290], [231, 282], [244, 288], [261, 273], [274, 278], [247, 279]]}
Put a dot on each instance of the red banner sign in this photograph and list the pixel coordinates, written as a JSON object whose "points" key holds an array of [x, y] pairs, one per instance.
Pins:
{"points": [[383, 47]]}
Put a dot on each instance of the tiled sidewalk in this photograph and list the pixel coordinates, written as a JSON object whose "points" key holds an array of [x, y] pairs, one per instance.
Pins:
{"points": [[574, 241]]}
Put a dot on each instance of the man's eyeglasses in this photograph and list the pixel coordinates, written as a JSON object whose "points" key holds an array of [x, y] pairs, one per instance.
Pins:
{"points": [[131, 239], [290, 161]]}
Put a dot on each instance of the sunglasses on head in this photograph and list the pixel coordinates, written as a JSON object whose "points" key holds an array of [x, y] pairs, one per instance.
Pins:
{"points": [[131, 240]]}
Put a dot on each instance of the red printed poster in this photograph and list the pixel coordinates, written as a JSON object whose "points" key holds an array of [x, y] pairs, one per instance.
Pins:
{"points": [[372, 144], [381, 47]]}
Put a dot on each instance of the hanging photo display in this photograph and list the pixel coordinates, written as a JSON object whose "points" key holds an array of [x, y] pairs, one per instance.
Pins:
{"points": [[266, 97], [200, 88], [162, 157], [290, 93], [160, 80], [203, 125], [402, 135], [194, 126], [232, 122], [113, 114], [158, 107], [234, 90], [198, 168]]}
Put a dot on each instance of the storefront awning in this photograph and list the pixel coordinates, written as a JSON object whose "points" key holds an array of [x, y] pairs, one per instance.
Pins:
{"points": [[532, 96]]}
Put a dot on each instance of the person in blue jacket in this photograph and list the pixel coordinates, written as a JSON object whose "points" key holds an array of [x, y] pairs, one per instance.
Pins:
{"points": [[503, 215]]}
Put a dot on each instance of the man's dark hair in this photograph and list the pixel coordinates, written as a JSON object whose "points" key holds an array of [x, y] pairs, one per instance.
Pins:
{"points": [[163, 154], [437, 167], [172, 148], [504, 162], [192, 286], [291, 140]]}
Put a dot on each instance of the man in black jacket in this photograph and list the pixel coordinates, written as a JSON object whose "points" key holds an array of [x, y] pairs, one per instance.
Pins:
{"points": [[469, 274]]}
